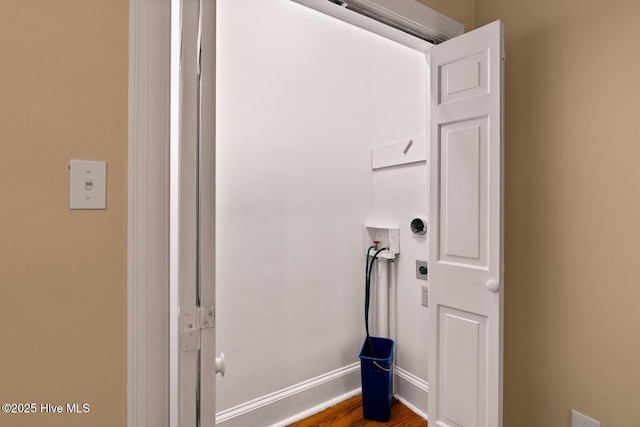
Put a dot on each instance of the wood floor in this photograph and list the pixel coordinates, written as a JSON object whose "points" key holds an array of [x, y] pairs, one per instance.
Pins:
{"points": [[349, 414]]}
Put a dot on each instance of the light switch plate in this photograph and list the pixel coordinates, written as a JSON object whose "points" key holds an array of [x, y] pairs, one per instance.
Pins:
{"points": [[580, 420], [87, 184]]}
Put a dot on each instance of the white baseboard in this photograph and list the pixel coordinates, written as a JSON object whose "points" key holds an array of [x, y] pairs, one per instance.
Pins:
{"points": [[411, 391], [318, 408], [292, 403], [304, 399]]}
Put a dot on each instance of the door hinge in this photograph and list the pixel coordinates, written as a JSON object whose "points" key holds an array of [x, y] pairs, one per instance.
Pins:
{"points": [[207, 317], [191, 323]]}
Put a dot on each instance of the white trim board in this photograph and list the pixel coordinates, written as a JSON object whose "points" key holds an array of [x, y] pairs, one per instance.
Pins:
{"points": [[295, 402], [410, 150], [411, 391], [318, 408], [148, 215], [404, 15], [312, 396], [367, 24]]}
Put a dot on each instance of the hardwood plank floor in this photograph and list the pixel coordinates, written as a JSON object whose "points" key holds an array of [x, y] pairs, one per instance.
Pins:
{"points": [[349, 414]]}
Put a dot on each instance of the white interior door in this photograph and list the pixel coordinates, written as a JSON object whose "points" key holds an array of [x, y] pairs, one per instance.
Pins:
{"points": [[465, 249], [197, 359]]}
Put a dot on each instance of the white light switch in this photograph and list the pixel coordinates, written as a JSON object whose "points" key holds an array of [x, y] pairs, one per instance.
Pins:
{"points": [[87, 184]]}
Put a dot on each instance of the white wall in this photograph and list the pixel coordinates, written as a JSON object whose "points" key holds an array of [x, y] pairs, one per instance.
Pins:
{"points": [[302, 98], [401, 192]]}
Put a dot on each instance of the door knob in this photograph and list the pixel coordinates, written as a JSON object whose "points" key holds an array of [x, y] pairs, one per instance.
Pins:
{"points": [[492, 285], [220, 365]]}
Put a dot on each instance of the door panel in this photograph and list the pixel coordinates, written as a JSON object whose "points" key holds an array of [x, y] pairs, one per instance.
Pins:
{"points": [[197, 359], [188, 224], [463, 343], [464, 78], [463, 201], [465, 247], [206, 205]]}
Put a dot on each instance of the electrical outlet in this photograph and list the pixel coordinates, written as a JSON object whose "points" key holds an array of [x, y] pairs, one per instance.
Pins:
{"points": [[580, 420], [422, 270], [425, 296]]}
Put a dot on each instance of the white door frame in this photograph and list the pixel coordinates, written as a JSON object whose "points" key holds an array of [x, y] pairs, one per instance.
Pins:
{"points": [[148, 245], [148, 214], [196, 225], [149, 322]]}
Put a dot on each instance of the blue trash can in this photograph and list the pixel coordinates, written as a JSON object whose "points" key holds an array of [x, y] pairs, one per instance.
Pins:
{"points": [[376, 369]]}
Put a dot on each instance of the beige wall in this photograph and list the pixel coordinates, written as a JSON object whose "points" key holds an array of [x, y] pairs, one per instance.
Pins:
{"points": [[572, 210], [63, 95]]}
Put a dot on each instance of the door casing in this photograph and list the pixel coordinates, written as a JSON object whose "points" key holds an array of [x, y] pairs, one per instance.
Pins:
{"points": [[148, 214], [148, 331]]}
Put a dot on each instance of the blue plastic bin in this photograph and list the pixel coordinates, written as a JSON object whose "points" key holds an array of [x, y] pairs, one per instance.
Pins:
{"points": [[376, 369]]}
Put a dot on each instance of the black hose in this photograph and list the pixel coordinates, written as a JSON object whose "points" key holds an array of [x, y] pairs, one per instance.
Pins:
{"points": [[368, 268], [366, 293]]}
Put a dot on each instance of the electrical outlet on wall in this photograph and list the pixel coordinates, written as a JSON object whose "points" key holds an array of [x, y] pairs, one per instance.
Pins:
{"points": [[580, 420], [422, 270]]}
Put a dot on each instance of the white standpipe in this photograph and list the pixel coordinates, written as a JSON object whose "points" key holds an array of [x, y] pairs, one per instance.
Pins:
{"points": [[392, 299], [382, 285], [383, 292], [386, 298]]}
